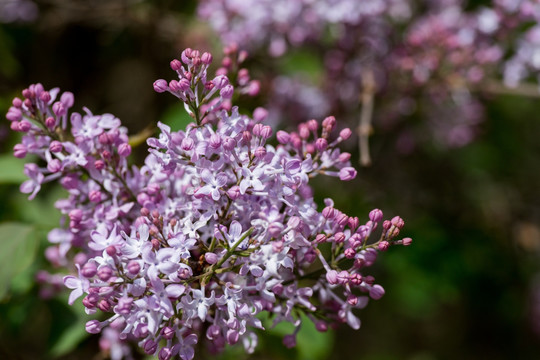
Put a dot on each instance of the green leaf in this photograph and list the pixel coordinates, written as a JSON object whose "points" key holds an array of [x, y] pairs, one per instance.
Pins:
{"points": [[312, 344], [176, 117], [70, 331], [12, 169], [18, 246]]}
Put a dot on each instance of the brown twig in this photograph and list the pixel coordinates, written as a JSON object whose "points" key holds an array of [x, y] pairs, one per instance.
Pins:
{"points": [[364, 126]]}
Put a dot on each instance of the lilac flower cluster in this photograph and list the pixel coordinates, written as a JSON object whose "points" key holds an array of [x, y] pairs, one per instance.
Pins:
{"points": [[217, 227], [434, 52]]}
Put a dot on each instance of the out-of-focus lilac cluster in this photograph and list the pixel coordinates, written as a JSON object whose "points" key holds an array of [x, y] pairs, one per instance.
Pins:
{"points": [[432, 54], [17, 11], [216, 228]]}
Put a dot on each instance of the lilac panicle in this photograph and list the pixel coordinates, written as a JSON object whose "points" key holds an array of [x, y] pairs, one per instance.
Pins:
{"points": [[217, 226]]}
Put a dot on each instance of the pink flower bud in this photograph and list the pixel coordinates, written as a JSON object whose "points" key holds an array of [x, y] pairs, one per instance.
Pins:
{"points": [[328, 212], [383, 245], [320, 238], [321, 144], [133, 267], [167, 332], [347, 173], [376, 292], [321, 326], [150, 347], [283, 137], [227, 92], [176, 65], [345, 133], [332, 277], [406, 241], [260, 114], [211, 258], [397, 222], [93, 327], [352, 300], [339, 237], [206, 58], [24, 126], [124, 149], [349, 253], [329, 123], [54, 165], [19, 151], [234, 192], [105, 273], [375, 215], [344, 157], [50, 122], [89, 270], [289, 341]]}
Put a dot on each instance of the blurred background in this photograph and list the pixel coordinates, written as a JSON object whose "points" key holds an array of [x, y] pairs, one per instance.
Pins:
{"points": [[468, 287]]}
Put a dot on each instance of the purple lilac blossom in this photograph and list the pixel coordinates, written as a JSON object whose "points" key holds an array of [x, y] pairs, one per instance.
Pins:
{"points": [[216, 227]]}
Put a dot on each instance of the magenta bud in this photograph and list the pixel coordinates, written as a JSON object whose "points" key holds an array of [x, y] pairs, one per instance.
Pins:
{"points": [[234, 192], [375, 215], [19, 151], [111, 250], [24, 126], [386, 225], [277, 289], [345, 133], [332, 277], [355, 279], [211, 258], [206, 58], [354, 222], [93, 327], [406, 241], [104, 306], [397, 222], [329, 123], [187, 144], [95, 196], [59, 109], [283, 137], [266, 132], [124, 149], [176, 65], [383, 245], [343, 277], [14, 126], [341, 219], [321, 144], [289, 341], [260, 152], [227, 92], [56, 146], [229, 144], [54, 165], [150, 347], [75, 215], [167, 332], [161, 86], [67, 99], [347, 173], [50, 122], [303, 131], [320, 238], [105, 272], [257, 129], [339, 237], [352, 300], [16, 102], [133, 267], [14, 114], [99, 164], [328, 212], [89, 270], [260, 114], [344, 157], [376, 292], [321, 326], [349, 253], [165, 353], [45, 97], [215, 141]]}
